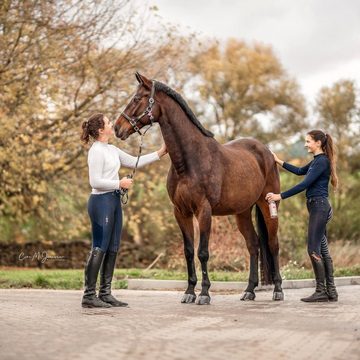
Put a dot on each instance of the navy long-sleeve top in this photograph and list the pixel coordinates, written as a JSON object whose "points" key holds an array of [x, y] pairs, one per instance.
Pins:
{"points": [[316, 181]]}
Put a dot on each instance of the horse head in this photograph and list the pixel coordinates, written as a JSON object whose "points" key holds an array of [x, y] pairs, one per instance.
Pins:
{"points": [[142, 109]]}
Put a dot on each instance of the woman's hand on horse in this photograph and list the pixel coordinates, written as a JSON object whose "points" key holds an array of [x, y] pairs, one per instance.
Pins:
{"points": [[272, 197], [162, 151], [277, 160], [126, 183]]}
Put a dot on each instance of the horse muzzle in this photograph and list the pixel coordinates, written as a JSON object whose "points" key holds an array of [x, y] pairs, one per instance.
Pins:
{"points": [[122, 134]]}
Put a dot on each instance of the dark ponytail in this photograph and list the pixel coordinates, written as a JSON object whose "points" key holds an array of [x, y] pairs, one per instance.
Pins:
{"points": [[91, 127], [328, 146]]}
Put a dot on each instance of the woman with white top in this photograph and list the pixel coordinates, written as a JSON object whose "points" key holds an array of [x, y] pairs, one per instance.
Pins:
{"points": [[104, 206]]}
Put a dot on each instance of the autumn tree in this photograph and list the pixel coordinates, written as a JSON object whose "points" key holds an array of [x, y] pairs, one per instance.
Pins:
{"points": [[338, 107], [59, 62], [240, 82]]}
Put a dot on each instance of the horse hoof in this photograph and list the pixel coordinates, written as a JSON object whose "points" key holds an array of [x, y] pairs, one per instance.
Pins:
{"points": [[188, 298], [247, 296], [278, 296], [203, 300]]}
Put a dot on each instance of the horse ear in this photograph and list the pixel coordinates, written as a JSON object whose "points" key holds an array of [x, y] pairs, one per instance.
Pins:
{"points": [[138, 77], [143, 80]]}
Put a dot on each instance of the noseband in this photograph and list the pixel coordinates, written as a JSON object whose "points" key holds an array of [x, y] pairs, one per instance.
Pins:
{"points": [[148, 111]]}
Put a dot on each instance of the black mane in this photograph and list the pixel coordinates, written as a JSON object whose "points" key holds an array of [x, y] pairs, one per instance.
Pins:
{"points": [[180, 100]]}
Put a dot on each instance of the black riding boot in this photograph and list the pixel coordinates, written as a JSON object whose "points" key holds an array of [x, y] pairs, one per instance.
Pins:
{"points": [[330, 284], [90, 300], [320, 294], [106, 275]]}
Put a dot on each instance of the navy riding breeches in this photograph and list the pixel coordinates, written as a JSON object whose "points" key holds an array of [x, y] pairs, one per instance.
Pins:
{"points": [[320, 213], [106, 220]]}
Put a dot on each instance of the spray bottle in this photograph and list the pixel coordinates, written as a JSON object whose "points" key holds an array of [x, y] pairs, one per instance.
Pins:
{"points": [[273, 209]]}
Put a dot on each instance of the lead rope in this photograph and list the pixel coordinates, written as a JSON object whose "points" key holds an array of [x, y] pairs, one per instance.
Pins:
{"points": [[124, 193]]}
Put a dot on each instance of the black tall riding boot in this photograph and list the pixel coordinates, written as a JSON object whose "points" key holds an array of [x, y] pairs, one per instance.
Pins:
{"points": [[92, 267], [320, 294], [330, 283], [106, 275]]}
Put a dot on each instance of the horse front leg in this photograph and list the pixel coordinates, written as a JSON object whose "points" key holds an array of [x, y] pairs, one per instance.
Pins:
{"points": [[187, 228], [204, 219]]}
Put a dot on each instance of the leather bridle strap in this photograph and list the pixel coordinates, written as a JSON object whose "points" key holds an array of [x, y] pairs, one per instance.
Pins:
{"points": [[148, 111], [133, 122]]}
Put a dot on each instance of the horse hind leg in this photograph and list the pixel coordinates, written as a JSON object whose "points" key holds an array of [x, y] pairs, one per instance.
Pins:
{"points": [[246, 227], [267, 229], [204, 220], [187, 228]]}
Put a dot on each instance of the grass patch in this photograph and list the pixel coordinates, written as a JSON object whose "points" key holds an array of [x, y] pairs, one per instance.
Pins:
{"points": [[41, 279], [73, 279]]}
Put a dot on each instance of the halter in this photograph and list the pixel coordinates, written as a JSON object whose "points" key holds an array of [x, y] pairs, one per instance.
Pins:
{"points": [[133, 122], [148, 111]]}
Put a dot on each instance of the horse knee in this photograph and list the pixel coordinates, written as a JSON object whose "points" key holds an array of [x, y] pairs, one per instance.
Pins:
{"points": [[203, 255], [189, 252]]}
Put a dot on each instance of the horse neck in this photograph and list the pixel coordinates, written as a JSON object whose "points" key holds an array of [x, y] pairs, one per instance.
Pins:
{"points": [[183, 139]]}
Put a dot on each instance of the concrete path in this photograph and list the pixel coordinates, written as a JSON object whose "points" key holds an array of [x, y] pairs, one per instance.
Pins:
{"points": [[50, 324]]}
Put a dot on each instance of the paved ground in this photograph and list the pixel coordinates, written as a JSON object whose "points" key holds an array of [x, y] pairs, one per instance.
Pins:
{"points": [[50, 324]]}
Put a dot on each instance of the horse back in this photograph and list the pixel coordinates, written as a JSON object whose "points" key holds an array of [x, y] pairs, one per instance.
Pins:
{"points": [[249, 150]]}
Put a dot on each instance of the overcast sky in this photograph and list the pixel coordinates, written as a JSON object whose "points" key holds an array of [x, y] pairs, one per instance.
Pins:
{"points": [[317, 41]]}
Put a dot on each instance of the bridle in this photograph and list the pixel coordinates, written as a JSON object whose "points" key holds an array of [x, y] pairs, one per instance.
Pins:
{"points": [[133, 122], [148, 111]]}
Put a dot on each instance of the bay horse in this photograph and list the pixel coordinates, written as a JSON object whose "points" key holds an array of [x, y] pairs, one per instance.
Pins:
{"points": [[207, 178]]}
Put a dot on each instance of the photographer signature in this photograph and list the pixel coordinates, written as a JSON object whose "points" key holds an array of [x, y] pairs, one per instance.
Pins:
{"points": [[40, 255]]}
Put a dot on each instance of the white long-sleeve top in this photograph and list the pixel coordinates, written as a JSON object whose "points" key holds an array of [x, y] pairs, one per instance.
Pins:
{"points": [[104, 162]]}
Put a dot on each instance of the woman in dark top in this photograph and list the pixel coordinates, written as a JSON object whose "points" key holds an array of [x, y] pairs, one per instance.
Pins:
{"points": [[318, 173]]}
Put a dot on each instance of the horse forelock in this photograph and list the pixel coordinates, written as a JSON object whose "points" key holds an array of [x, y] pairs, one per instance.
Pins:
{"points": [[159, 86]]}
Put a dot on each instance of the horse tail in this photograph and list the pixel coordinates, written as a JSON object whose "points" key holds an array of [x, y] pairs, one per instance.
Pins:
{"points": [[267, 268]]}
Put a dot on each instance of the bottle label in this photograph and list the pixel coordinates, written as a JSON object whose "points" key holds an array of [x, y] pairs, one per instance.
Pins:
{"points": [[273, 209]]}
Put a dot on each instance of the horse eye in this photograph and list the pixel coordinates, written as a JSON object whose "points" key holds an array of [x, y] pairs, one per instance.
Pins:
{"points": [[136, 99]]}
